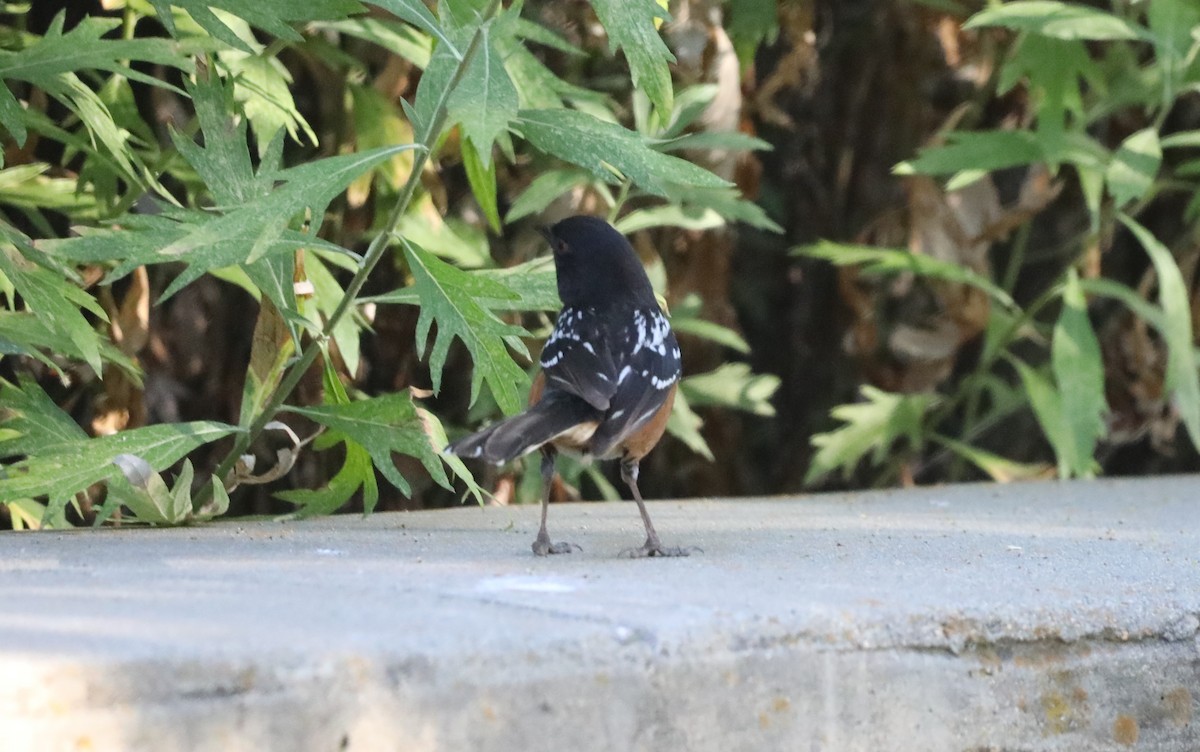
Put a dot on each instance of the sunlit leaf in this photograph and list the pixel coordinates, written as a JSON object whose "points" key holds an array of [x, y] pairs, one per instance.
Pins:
{"points": [[1131, 174], [449, 297], [1079, 375], [984, 150], [58, 302], [734, 386], [58, 466], [873, 425], [381, 426], [684, 424], [999, 469]]}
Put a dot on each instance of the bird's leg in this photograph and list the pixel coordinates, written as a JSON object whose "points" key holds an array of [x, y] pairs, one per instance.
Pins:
{"points": [[542, 545], [653, 546]]}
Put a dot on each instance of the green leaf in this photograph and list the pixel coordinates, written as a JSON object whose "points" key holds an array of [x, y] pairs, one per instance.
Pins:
{"points": [[875, 424], [632, 26], [481, 175], [1079, 374], [533, 283], [1053, 68], [26, 333], [891, 261], [356, 472], [28, 188], [669, 215], [381, 425], [263, 87], [752, 22], [1183, 379], [1055, 19], [272, 16], [1048, 408], [531, 286], [1131, 174], [449, 237], [599, 147], [60, 468], [449, 296], [50, 63], [398, 38], [417, 14], [976, 150], [532, 32], [377, 123], [58, 302], [689, 104], [141, 490], [685, 319], [728, 203], [241, 235], [327, 295], [544, 189], [147, 496], [709, 140], [485, 100], [1144, 309], [32, 423], [439, 441], [83, 48], [684, 424], [27, 514], [734, 386], [999, 469]]}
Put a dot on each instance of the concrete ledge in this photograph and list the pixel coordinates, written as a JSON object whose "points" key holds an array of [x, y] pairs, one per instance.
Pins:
{"points": [[1025, 617]]}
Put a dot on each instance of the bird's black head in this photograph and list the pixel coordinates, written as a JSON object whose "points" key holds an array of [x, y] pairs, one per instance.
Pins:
{"points": [[596, 265]]}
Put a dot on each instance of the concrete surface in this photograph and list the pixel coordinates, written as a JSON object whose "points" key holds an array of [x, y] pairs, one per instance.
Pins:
{"points": [[1025, 617]]}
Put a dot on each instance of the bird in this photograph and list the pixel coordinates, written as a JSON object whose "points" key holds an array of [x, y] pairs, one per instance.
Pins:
{"points": [[609, 372]]}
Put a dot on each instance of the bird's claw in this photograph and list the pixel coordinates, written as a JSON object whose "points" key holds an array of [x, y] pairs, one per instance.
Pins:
{"points": [[543, 547], [652, 548]]}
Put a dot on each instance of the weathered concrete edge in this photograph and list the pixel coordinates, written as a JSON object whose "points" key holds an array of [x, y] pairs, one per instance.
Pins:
{"points": [[1037, 695]]}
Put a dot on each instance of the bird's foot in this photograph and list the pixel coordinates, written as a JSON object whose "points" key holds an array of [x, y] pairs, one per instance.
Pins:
{"points": [[543, 547], [653, 547]]}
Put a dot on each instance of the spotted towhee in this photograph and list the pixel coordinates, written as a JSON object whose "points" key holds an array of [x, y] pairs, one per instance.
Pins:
{"points": [[609, 372]]}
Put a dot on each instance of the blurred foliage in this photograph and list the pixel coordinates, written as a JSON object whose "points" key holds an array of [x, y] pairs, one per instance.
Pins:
{"points": [[302, 237], [1082, 123]]}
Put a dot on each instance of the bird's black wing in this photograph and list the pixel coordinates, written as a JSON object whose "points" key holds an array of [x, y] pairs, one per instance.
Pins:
{"points": [[578, 359], [648, 366]]}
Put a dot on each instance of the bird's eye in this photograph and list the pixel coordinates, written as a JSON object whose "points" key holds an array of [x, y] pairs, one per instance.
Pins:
{"points": [[560, 246]]}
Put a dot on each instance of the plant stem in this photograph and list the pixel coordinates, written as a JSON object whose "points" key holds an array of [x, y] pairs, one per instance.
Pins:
{"points": [[379, 244], [622, 195], [1009, 283]]}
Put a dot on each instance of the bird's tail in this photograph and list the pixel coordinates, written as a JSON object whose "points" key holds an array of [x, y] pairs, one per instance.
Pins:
{"points": [[556, 414]]}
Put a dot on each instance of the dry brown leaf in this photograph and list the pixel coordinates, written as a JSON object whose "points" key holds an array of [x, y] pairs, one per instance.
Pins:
{"points": [[123, 404]]}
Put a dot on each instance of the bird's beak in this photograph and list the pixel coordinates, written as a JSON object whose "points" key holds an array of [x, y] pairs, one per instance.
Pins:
{"points": [[547, 233]]}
